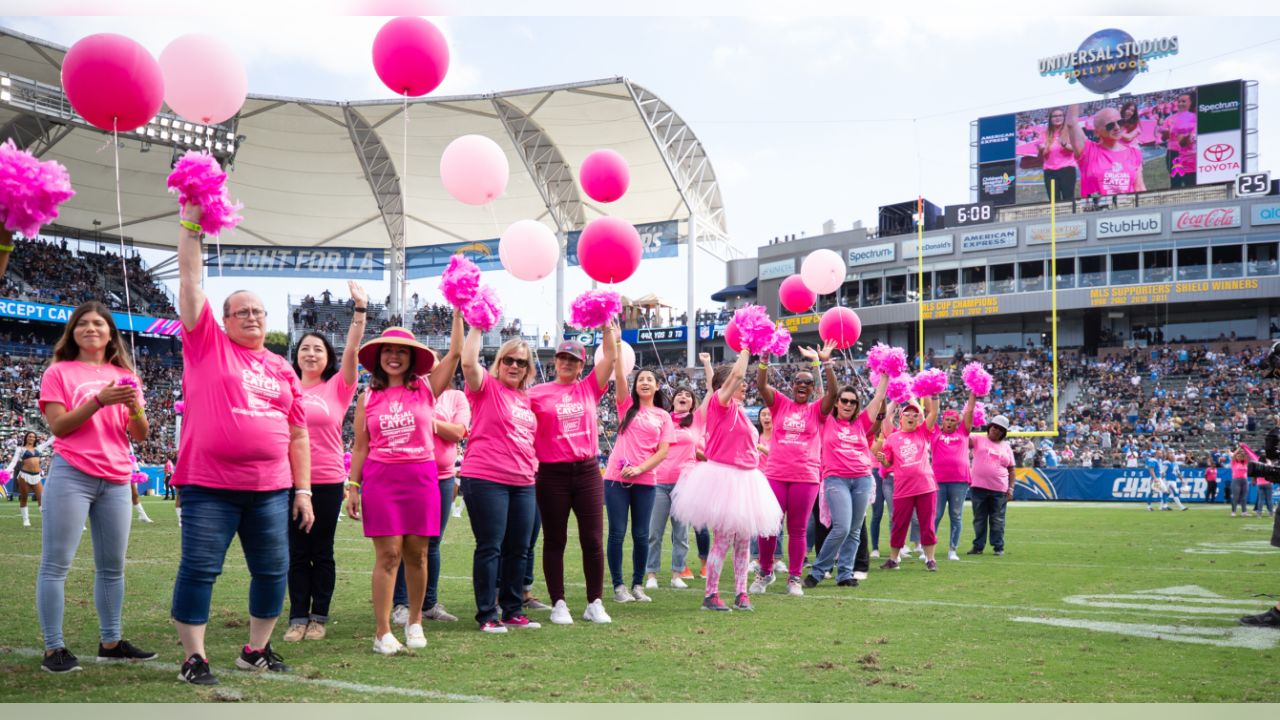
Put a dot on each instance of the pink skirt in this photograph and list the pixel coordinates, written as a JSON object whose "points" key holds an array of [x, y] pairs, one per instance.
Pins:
{"points": [[400, 499], [726, 499]]}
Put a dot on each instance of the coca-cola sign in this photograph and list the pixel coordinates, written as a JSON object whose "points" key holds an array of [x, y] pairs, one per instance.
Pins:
{"points": [[1206, 218]]}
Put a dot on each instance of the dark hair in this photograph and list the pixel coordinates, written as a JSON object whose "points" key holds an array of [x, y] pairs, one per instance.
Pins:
{"points": [[331, 363], [379, 380], [660, 399], [1129, 123], [687, 420], [34, 437], [67, 349], [835, 409], [720, 375], [1048, 125], [760, 423]]}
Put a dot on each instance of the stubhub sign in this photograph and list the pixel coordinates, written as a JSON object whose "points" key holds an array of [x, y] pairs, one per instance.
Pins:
{"points": [[1128, 225], [1265, 215]]}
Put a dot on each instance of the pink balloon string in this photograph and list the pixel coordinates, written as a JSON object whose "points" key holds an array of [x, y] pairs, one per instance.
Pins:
{"points": [[124, 265]]}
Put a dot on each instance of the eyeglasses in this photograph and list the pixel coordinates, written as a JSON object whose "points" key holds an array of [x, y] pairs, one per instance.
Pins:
{"points": [[848, 401], [246, 313], [518, 362]]}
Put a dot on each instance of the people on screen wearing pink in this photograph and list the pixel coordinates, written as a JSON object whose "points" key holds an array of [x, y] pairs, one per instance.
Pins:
{"points": [[1178, 132], [908, 452], [992, 489], [1108, 166], [794, 460], [1059, 158], [728, 493], [1130, 129], [1240, 460], [951, 469]]}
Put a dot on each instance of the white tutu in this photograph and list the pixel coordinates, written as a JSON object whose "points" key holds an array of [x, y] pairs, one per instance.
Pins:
{"points": [[726, 499]]}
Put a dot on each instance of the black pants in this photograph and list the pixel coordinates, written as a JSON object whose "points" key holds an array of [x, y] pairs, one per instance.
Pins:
{"points": [[1211, 491], [311, 568], [1064, 184], [862, 561], [168, 490], [988, 514]]}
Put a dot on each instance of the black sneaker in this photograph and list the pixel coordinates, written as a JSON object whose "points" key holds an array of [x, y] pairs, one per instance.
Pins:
{"points": [[61, 661], [265, 659], [851, 582], [974, 551], [124, 651], [810, 581], [1270, 618], [196, 671]]}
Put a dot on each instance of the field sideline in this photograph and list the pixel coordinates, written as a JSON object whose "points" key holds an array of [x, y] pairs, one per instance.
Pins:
{"points": [[1092, 603]]}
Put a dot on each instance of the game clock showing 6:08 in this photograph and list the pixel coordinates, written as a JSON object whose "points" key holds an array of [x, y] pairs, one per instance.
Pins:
{"points": [[970, 214]]}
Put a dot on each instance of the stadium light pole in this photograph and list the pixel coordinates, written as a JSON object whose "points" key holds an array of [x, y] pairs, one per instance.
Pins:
{"points": [[1053, 311], [691, 317]]}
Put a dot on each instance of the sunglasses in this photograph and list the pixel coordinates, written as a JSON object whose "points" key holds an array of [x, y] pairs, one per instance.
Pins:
{"points": [[802, 382], [518, 362], [1111, 125], [848, 401]]}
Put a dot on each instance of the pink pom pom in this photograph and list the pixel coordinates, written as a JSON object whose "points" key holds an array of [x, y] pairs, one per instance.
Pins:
{"points": [[781, 342], [899, 390], [460, 281], [885, 360], [128, 381], [977, 379], [5, 476], [979, 414], [755, 327], [928, 383], [30, 191], [484, 310], [199, 181], [346, 463], [594, 308], [139, 478], [178, 407]]}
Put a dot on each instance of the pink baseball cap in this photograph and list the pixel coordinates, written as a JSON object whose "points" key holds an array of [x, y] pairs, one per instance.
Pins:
{"points": [[574, 348]]}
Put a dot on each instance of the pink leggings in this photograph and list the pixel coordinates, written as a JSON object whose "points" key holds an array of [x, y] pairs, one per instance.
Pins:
{"points": [[741, 560], [796, 499], [923, 506]]}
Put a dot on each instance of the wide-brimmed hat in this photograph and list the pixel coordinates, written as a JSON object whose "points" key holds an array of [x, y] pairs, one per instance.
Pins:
{"points": [[423, 358]]}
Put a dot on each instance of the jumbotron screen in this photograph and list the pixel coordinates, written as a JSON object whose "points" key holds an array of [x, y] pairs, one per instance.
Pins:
{"points": [[1132, 143]]}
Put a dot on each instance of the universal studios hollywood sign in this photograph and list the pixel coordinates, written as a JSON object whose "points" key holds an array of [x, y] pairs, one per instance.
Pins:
{"points": [[1108, 59]]}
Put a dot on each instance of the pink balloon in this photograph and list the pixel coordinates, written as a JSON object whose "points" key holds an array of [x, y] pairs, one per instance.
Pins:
{"points": [[627, 355], [410, 56], [529, 250], [733, 336], [823, 271], [609, 249], [113, 82], [204, 81], [795, 295], [841, 326], [474, 169], [604, 176]]}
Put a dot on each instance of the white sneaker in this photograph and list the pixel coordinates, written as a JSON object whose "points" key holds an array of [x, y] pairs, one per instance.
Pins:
{"points": [[875, 553], [622, 595], [678, 582], [793, 587], [26, 522], [754, 566], [400, 615], [414, 637], [779, 566], [952, 555], [638, 594], [387, 645], [922, 556], [651, 583], [859, 576], [560, 614], [457, 511], [595, 613], [143, 517], [760, 584]]}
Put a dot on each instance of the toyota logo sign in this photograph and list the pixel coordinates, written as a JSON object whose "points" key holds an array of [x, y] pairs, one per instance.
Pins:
{"points": [[1219, 152]]}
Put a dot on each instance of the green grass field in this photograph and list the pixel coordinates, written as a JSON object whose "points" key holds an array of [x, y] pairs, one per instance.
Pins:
{"points": [[1029, 626]]}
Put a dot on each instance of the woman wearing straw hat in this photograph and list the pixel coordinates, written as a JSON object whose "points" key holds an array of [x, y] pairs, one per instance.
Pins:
{"points": [[393, 485]]}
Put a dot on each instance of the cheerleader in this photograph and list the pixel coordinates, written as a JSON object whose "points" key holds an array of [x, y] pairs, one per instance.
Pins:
{"points": [[137, 478], [28, 478]]}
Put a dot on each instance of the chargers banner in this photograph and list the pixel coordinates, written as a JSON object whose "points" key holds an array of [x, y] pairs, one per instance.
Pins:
{"points": [[1122, 484], [297, 262], [59, 314]]}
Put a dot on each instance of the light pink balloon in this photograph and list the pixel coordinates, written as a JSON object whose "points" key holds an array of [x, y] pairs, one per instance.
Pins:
{"points": [[795, 295], [823, 271], [609, 249], [626, 354], [529, 250], [411, 56], [113, 82], [474, 170], [604, 176], [204, 81], [841, 326]]}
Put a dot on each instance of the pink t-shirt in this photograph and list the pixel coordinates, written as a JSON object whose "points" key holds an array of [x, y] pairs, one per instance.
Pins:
{"points": [[731, 438], [796, 453], [325, 405], [567, 427], [100, 447], [240, 405], [1180, 125], [991, 463], [1057, 157], [682, 450], [451, 407], [908, 454], [1109, 172], [648, 429], [503, 426], [399, 424], [845, 452], [951, 455]]}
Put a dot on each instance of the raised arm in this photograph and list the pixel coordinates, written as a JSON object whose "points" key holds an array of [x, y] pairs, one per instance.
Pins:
{"points": [[191, 297], [829, 389], [707, 372], [737, 374], [472, 370], [608, 354], [355, 333], [767, 393], [1074, 131], [876, 406], [966, 416], [931, 412], [441, 376], [6, 248], [621, 388]]}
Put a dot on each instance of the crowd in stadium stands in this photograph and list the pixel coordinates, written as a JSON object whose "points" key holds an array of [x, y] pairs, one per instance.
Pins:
{"points": [[46, 271]]}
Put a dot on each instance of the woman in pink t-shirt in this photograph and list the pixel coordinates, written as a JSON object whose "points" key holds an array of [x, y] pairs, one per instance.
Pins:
{"points": [[568, 479], [728, 493], [1240, 479], [908, 452], [951, 469], [393, 485], [92, 402], [794, 460], [1059, 159], [1179, 133], [993, 481], [1108, 166], [328, 387]]}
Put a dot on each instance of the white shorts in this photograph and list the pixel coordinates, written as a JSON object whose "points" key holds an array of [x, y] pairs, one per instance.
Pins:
{"points": [[30, 478]]}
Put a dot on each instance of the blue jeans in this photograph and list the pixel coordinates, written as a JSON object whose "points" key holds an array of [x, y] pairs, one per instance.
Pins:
{"points": [[1263, 500], [882, 504], [847, 499], [533, 547], [400, 596], [619, 499], [70, 496], [953, 493], [657, 527], [502, 519], [210, 518]]}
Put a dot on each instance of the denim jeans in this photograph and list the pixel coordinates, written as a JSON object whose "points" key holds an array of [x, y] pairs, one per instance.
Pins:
{"points": [[400, 596], [1263, 500], [847, 498], [502, 519], [988, 510], [657, 527], [70, 497], [883, 502], [533, 546], [210, 518], [621, 499], [952, 493]]}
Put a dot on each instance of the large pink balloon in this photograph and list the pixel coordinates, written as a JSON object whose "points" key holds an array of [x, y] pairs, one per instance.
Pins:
{"points": [[204, 81], [795, 295], [529, 250], [823, 271], [113, 82], [474, 169], [627, 355], [841, 326], [604, 176], [411, 56], [609, 249], [733, 336]]}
